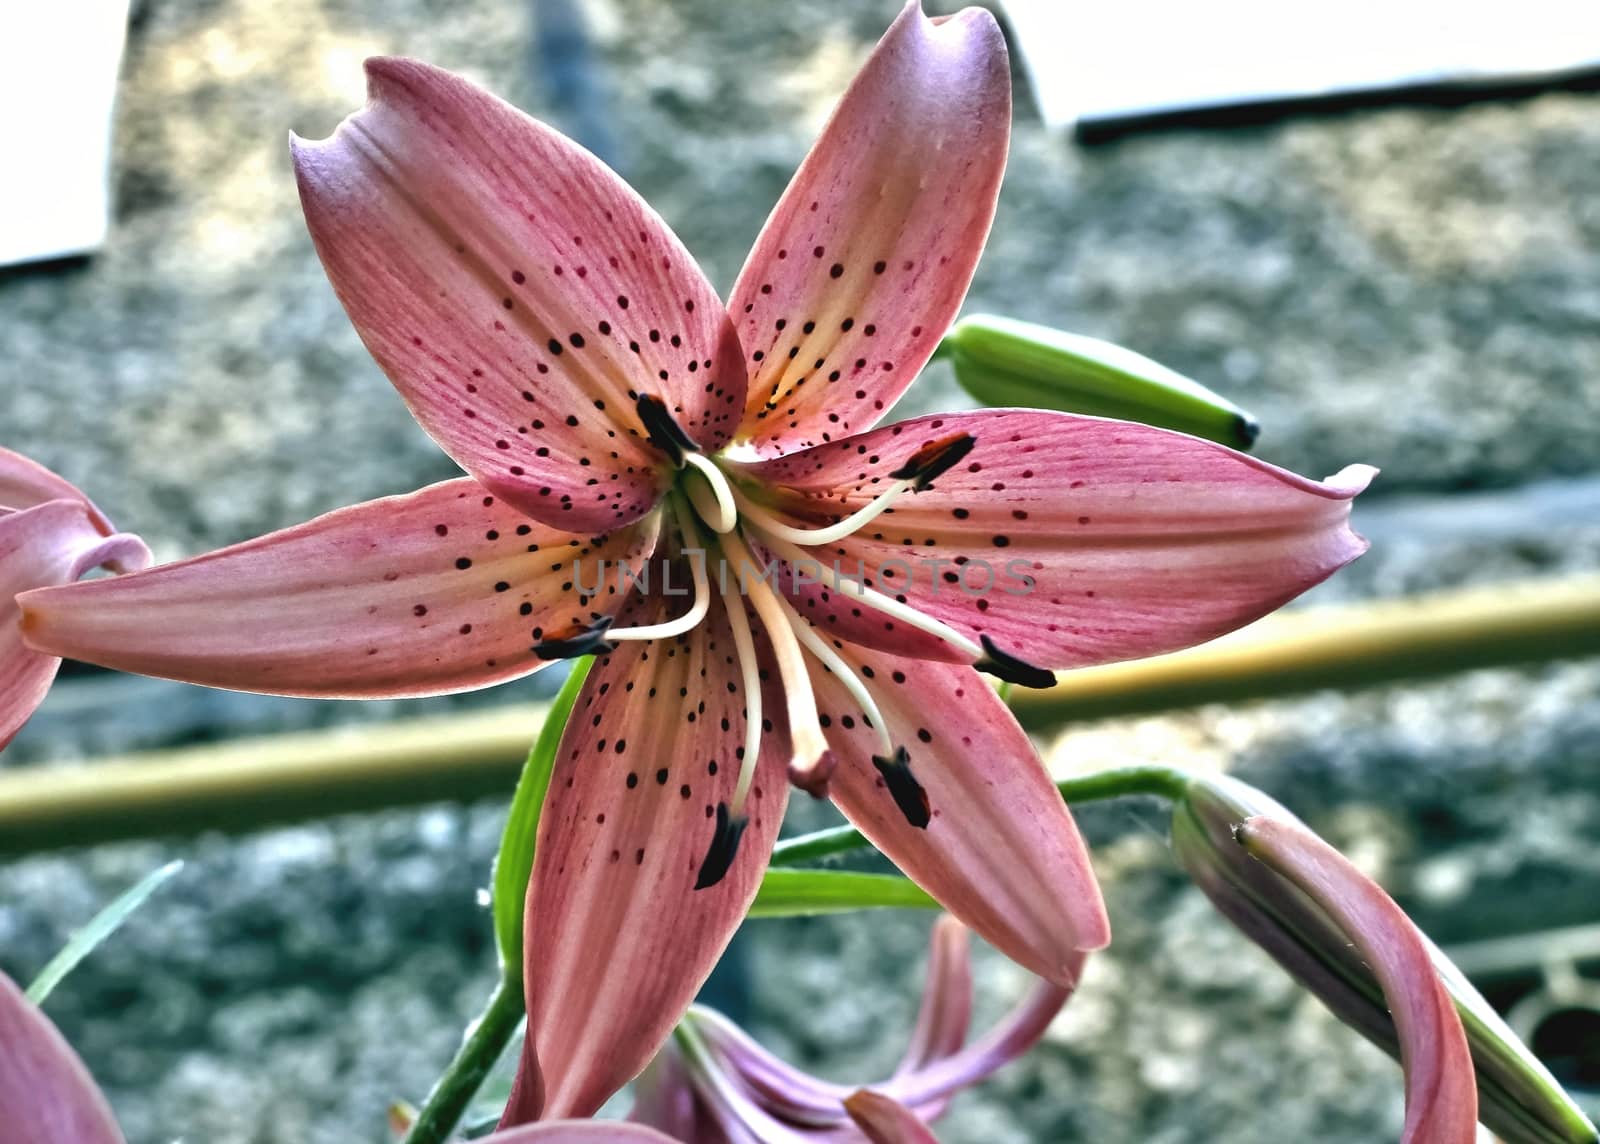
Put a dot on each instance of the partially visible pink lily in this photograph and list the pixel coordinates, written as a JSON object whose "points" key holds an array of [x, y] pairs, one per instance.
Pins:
{"points": [[556, 339], [48, 1097], [715, 1085], [46, 1094], [50, 533]]}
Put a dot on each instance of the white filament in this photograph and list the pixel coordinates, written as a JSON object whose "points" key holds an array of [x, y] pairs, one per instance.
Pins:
{"points": [[877, 600], [702, 589], [805, 732], [722, 515], [830, 534], [843, 672], [744, 645]]}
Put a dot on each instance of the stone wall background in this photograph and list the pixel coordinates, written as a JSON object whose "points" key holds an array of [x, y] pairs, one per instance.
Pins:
{"points": [[1417, 289]]}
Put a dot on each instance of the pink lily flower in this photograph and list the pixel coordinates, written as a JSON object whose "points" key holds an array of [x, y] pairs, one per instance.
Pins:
{"points": [[50, 533], [48, 1097], [551, 333], [713, 1084]]}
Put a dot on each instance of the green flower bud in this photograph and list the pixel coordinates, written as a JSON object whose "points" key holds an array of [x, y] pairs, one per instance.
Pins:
{"points": [[1004, 362], [1518, 1099]]}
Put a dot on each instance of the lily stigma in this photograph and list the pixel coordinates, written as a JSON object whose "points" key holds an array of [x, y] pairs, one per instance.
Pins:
{"points": [[848, 582]]}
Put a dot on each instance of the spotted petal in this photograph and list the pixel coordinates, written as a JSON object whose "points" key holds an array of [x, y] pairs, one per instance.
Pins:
{"points": [[618, 940], [440, 590], [946, 1012], [50, 543], [518, 294], [867, 257], [580, 1132], [1068, 540], [46, 1095], [1000, 850], [664, 1098]]}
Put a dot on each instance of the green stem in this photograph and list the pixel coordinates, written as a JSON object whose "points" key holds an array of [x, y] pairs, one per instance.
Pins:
{"points": [[1114, 782], [455, 1089], [1155, 779]]}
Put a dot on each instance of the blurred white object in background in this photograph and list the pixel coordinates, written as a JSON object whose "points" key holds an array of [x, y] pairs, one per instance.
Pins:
{"points": [[58, 80], [1089, 61]]}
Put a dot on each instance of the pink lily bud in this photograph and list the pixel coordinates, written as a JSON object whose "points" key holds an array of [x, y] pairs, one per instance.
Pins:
{"points": [[50, 533], [1253, 874], [1441, 1091]]}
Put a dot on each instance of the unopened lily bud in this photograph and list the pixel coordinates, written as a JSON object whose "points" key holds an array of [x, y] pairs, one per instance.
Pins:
{"points": [[1005, 362], [1518, 1098]]}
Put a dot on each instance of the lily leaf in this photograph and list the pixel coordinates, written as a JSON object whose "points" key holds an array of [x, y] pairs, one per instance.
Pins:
{"points": [[100, 927], [514, 862], [787, 893]]}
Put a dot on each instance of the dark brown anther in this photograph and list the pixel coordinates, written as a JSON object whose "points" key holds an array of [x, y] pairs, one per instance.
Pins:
{"points": [[579, 639], [724, 846], [663, 430], [1004, 665], [907, 792], [935, 459]]}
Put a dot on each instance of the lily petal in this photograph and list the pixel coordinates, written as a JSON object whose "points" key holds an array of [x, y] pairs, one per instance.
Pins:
{"points": [[663, 1098], [46, 1095], [946, 1013], [866, 258], [435, 591], [1067, 540], [1441, 1092], [579, 1132], [1000, 850], [618, 939], [25, 483], [519, 295], [930, 1087], [50, 543], [741, 1115], [886, 1121], [778, 1088]]}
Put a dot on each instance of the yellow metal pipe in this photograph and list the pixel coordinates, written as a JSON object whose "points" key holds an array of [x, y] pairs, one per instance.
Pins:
{"points": [[250, 783], [1343, 648]]}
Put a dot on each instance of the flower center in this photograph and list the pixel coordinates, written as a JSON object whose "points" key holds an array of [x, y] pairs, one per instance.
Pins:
{"points": [[711, 514]]}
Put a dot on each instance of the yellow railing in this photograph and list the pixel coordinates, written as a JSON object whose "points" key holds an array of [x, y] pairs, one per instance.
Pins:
{"points": [[250, 783]]}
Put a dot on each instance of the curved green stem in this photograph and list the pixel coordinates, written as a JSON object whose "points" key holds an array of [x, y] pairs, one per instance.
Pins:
{"points": [[1155, 779], [1115, 782], [460, 1082]]}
